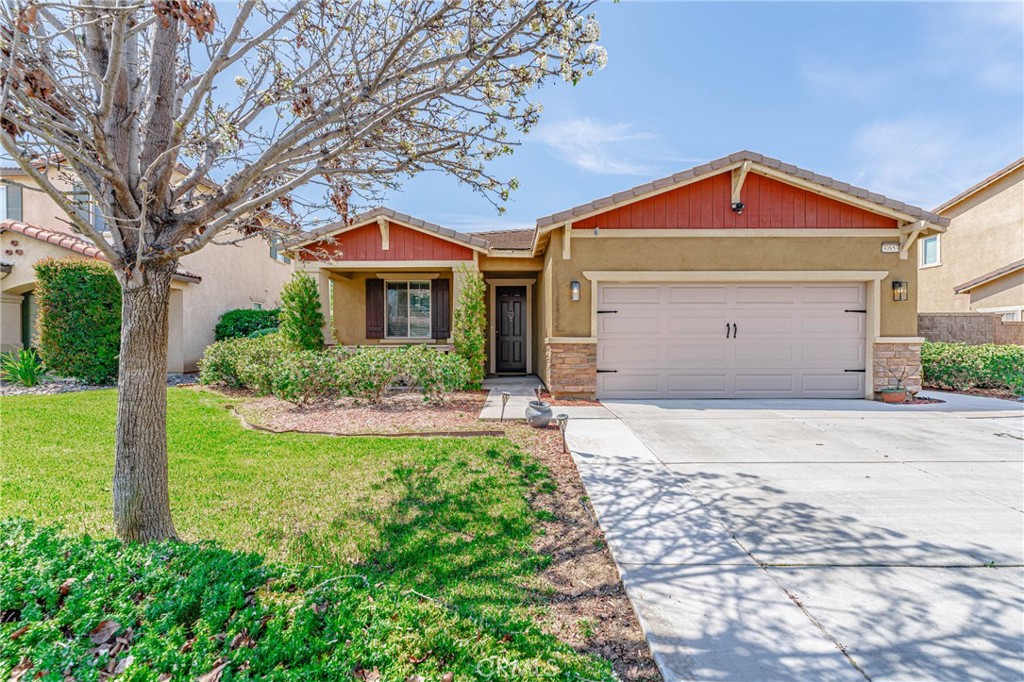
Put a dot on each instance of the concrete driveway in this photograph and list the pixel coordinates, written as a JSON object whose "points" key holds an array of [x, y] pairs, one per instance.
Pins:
{"points": [[816, 540]]}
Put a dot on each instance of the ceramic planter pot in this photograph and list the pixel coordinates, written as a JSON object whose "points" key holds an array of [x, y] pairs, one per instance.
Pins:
{"points": [[893, 395], [538, 414]]}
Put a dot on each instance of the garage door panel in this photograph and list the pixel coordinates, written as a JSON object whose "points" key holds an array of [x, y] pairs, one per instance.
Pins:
{"points": [[836, 325], [630, 325], [695, 323], [629, 353], [845, 294], [760, 293], [688, 353], [697, 295], [759, 353], [817, 384], [848, 355], [612, 294], [793, 340], [697, 383]]}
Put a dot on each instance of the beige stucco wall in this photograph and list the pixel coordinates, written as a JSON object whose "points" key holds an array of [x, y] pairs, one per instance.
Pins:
{"points": [[722, 254], [986, 232]]}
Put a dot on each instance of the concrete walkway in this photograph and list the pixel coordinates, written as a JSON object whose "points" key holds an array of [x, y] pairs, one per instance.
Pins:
{"points": [[816, 540], [521, 391]]}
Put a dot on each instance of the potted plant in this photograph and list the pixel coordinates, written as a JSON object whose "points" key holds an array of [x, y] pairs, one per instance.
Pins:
{"points": [[897, 393]]}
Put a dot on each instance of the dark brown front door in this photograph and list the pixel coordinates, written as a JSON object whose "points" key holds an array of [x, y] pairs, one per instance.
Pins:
{"points": [[510, 342]]}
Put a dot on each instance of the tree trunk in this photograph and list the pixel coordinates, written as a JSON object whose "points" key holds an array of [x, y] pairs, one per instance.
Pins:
{"points": [[142, 507]]}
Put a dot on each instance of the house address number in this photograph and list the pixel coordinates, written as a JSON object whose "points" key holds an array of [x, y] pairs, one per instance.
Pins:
{"points": [[890, 247]]}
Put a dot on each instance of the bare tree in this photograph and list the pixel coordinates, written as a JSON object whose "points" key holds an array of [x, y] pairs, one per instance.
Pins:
{"points": [[184, 129]]}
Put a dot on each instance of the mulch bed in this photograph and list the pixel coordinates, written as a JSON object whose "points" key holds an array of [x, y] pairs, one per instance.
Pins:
{"points": [[587, 605]]}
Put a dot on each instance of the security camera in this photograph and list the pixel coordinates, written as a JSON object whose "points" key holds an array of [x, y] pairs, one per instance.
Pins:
{"points": [[738, 206]]}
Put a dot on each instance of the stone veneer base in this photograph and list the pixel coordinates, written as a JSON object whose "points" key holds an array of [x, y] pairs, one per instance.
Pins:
{"points": [[899, 357], [571, 369]]}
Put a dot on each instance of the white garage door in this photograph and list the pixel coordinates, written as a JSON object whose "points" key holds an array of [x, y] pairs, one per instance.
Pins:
{"points": [[731, 340]]}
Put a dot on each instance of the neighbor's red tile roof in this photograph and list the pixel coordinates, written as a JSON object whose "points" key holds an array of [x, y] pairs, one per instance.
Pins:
{"points": [[72, 243]]}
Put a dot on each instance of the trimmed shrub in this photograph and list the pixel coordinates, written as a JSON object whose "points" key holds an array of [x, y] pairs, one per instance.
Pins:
{"points": [[960, 367], [235, 324], [435, 374], [243, 363], [470, 325], [305, 376], [368, 373], [300, 320], [79, 318]]}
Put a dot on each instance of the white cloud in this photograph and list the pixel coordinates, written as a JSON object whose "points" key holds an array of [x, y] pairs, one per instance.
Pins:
{"points": [[926, 160], [598, 147], [983, 41]]}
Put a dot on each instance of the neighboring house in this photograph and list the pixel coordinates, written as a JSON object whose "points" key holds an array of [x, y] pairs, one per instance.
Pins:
{"points": [[743, 277], [210, 282], [978, 264]]}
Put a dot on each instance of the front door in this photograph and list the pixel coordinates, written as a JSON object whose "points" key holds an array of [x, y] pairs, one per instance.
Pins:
{"points": [[510, 326]]}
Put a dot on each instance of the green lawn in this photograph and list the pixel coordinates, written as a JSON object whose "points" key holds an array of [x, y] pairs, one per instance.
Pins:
{"points": [[448, 518]]}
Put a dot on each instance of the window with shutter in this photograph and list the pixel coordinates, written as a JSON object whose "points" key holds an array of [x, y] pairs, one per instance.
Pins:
{"points": [[441, 309]]}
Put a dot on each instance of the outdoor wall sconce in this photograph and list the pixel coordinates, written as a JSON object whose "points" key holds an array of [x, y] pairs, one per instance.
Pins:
{"points": [[574, 291], [900, 290]]}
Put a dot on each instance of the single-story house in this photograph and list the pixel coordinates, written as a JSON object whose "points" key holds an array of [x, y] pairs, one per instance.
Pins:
{"points": [[743, 277], [208, 283], [978, 264]]}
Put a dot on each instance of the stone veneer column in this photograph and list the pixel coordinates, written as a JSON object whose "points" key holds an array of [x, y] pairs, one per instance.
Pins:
{"points": [[895, 355], [572, 369]]}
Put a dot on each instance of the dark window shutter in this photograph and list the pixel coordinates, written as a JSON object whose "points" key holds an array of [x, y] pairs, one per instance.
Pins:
{"points": [[374, 308], [440, 309]]}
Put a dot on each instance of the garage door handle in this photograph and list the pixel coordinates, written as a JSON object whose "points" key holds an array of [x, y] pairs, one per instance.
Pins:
{"points": [[862, 371], [606, 312], [734, 330], [607, 371]]}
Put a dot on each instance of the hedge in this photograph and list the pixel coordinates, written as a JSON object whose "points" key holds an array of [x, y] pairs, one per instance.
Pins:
{"points": [[270, 365], [79, 318], [960, 367], [241, 322]]}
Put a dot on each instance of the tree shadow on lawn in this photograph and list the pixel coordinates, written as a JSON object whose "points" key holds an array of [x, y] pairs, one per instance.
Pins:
{"points": [[453, 531]]}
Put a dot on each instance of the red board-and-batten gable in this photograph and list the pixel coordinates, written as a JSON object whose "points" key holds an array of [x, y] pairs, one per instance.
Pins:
{"points": [[366, 244], [707, 204]]}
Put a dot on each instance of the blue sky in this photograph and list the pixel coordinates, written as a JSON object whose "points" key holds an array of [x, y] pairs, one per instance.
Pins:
{"points": [[914, 100]]}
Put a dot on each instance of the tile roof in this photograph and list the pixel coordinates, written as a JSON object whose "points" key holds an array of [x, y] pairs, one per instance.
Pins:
{"points": [[510, 240], [384, 212], [1005, 170], [704, 169], [73, 243], [990, 276]]}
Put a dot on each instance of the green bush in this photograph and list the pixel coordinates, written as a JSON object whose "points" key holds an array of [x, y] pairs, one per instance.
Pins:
{"points": [[368, 373], [470, 325], [244, 363], [73, 605], [435, 374], [301, 321], [305, 376], [961, 367], [79, 318], [241, 322], [22, 367]]}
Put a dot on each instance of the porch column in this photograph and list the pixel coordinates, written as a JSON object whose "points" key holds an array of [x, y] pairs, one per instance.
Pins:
{"points": [[323, 285]]}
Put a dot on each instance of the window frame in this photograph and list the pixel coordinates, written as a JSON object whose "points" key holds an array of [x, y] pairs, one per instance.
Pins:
{"points": [[938, 252], [430, 310], [275, 253], [5, 203]]}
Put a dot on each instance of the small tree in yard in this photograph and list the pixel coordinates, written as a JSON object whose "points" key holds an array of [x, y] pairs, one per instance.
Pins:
{"points": [[470, 325], [184, 129], [300, 320]]}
